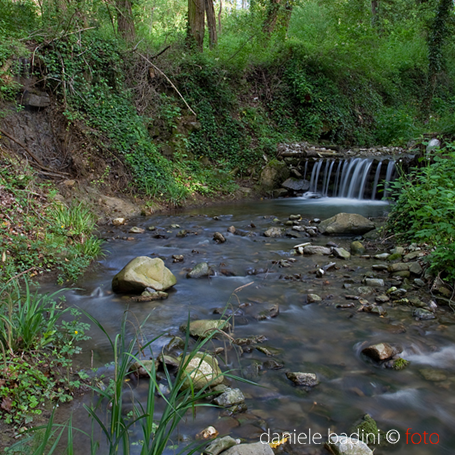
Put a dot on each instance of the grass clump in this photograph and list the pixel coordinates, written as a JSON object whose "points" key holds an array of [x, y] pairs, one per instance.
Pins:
{"points": [[171, 396], [38, 339], [38, 233]]}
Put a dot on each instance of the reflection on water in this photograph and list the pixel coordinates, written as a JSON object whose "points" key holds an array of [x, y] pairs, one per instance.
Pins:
{"points": [[316, 338]]}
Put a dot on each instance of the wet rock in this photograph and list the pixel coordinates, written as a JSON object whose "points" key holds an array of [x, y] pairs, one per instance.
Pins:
{"points": [[272, 365], [207, 433], [273, 232], [398, 250], [402, 274], [318, 250], [357, 248], [415, 268], [202, 370], [178, 257], [272, 312], [273, 174], [418, 282], [305, 379], [296, 184], [396, 293], [295, 217], [381, 256], [143, 272], [367, 429], [394, 256], [398, 267], [422, 314], [341, 253], [176, 343], [175, 226], [381, 351], [433, 375], [382, 298], [230, 397], [151, 228], [200, 270], [258, 448], [150, 295], [220, 445], [345, 445], [254, 339], [231, 229], [203, 328], [182, 233], [374, 282], [413, 255], [365, 290], [299, 228], [345, 305], [346, 223], [218, 237], [144, 368], [313, 298], [118, 221], [268, 351], [379, 267], [136, 230]]}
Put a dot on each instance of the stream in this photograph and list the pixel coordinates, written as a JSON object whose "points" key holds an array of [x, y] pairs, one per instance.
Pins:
{"points": [[319, 338]]}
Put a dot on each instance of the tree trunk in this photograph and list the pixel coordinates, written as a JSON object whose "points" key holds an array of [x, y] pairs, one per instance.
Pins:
{"points": [[277, 11], [436, 40], [196, 24], [125, 21], [211, 22], [219, 17]]}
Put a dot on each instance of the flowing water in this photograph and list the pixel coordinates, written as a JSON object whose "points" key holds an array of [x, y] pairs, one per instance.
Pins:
{"points": [[317, 338]]}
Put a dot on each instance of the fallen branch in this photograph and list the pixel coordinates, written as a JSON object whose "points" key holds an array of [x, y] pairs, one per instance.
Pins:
{"points": [[45, 170], [170, 82]]}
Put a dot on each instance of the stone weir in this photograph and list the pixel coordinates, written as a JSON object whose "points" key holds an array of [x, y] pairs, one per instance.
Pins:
{"points": [[306, 170]]}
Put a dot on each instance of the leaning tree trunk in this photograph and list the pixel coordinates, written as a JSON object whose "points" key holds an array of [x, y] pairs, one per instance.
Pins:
{"points": [[438, 34], [211, 22], [125, 21], [196, 24]]}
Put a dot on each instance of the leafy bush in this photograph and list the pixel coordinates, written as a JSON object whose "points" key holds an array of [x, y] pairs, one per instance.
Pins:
{"points": [[425, 209]]}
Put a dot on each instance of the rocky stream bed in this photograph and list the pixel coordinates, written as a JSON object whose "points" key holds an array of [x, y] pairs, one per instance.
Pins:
{"points": [[331, 324]]}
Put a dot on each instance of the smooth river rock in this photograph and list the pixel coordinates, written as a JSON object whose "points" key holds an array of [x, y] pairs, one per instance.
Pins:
{"points": [[143, 272], [380, 351], [258, 448], [202, 370], [346, 223]]}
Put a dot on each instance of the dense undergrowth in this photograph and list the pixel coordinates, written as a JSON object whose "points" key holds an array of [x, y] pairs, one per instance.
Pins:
{"points": [[38, 338], [335, 74], [39, 233], [424, 211]]}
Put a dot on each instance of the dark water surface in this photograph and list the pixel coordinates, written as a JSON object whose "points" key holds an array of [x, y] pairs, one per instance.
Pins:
{"points": [[316, 338]]}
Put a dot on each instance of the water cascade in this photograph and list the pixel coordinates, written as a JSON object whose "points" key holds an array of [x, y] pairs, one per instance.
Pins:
{"points": [[354, 178]]}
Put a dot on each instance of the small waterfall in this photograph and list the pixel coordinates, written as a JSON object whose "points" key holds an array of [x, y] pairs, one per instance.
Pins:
{"points": [[354, 178]]}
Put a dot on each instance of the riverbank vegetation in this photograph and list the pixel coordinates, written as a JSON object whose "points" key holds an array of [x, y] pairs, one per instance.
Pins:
{"points": [[173, 112]]}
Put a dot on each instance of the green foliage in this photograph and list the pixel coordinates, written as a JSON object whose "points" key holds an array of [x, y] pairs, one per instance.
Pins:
{"points": [[38, 234], [36, 349], [395, 126], [425, 209]]}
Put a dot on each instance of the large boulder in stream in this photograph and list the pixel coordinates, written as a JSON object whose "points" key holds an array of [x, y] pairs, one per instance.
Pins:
{"points": [[346, 223], [258, 448], [143, 272]]}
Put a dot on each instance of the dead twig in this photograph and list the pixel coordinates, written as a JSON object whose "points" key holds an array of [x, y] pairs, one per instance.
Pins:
{"points": [[170, 82]]}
